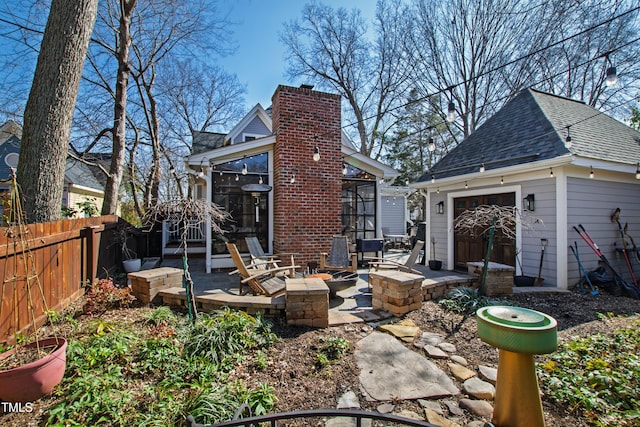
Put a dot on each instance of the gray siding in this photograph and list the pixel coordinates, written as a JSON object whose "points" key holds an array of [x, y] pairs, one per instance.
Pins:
{"points": [[591, 203], [541, 224], [438, 230], [393, 214], [255, 127]]}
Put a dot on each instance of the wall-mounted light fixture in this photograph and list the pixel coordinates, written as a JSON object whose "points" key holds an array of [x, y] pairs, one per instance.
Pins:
{"points": [[482, 168], [551, 175], [433, 178], [592, 173], [529, 203], [638, 170], [345, 170], [440, 208], [316, 154]]}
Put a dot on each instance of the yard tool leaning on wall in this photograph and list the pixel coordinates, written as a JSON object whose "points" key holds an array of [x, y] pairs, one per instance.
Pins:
{"points": [[616, 217], [628, 289]]}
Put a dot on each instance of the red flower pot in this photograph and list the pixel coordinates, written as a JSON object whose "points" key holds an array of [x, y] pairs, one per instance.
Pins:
{"points": [[30, 382]]}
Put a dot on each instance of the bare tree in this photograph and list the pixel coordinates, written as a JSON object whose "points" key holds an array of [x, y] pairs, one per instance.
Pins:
{"points": [[331, 48], [480, 54], [50, 107], [122, 51]]}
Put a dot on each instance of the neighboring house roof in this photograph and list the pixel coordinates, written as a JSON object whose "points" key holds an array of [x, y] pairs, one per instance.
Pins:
{"points": [[80, 175], [533, 127], [76, 172]]}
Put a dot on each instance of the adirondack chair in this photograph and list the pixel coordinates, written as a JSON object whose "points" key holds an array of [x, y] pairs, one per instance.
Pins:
{"points": [[258, 256], [339, 258], [268, 281], [388, 264]]}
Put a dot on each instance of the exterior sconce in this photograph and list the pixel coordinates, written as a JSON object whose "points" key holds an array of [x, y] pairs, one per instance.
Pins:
{"points": [[529, 203], [316, 154], [440, 208]]}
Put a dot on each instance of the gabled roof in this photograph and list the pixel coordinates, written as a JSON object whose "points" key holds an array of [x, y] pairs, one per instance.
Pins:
{"points": [[532, 127]]}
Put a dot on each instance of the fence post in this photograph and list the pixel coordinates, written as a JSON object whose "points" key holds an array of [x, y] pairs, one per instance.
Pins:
{"points": [[92, 248]]}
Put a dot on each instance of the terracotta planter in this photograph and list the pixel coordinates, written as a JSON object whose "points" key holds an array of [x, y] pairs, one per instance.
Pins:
{"points": [[30, 382]]}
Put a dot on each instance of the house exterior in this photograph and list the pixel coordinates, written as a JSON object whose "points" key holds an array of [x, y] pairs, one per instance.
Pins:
{"points": [[80, 182], [316, 184], [561, 163]]}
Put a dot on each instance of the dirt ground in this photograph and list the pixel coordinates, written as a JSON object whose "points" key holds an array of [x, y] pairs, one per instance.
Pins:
{"points": [[300, 383]]}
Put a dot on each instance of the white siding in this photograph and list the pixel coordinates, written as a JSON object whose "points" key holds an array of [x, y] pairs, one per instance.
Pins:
{"points": [[393, 214]]}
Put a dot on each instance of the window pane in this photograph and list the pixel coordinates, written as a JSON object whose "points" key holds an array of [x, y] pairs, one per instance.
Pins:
{"points": [[243, 207]]}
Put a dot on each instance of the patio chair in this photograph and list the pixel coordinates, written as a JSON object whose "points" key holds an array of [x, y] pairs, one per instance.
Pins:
{"points": [[258, 255], [339, 258], [387, 264], [267, 281]]}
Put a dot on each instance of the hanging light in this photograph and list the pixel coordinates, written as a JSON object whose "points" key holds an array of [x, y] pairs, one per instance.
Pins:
{"points": [[568, 138], [451, 112], [466, 185], [451, 109], [344, 169], [433, 178], [612, 75], [551, 175], [482, 169], [501, 180], [237, 177], [293, 178], [201, 173], [438, 190], [316, 154], [432, 145], [260, 181], [591, 174], [244, 169]]}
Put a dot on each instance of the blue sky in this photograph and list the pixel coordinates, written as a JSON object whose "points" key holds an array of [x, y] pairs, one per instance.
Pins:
{"points": [[258, 61]]}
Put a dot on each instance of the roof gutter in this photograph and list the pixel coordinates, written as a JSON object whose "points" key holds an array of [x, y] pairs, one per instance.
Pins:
{"points": [[564, 160]]}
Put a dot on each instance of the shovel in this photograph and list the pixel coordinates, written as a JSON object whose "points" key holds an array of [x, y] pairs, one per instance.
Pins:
{"points": [[540, 280]]}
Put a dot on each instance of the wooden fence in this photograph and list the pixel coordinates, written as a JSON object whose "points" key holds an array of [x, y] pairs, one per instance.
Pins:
{"points": [[46, 267]]}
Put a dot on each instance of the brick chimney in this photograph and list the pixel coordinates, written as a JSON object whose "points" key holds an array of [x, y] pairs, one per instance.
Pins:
{"points": [[306, 212]]}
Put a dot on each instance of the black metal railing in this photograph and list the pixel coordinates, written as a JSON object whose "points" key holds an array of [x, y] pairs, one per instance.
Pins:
{"points": [[273, 419]]}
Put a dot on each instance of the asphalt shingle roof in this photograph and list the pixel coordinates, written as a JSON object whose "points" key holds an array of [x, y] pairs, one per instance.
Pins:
{"points": [[532, 127]]}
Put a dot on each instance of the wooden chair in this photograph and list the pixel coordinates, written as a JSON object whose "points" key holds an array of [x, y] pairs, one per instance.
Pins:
{"points": [[339, 258], [387, 264], [267, 281], [258, 255]]}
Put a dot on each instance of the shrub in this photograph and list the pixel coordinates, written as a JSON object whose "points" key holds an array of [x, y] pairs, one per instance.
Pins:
{"points": [[467, 301], [598, 375], [103, 295], [222, 336]]}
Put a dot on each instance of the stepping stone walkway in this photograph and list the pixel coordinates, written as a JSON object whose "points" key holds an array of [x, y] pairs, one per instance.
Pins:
{"points": [[391, 372]]}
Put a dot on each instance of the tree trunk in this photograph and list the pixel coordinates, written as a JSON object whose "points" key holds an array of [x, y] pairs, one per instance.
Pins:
{"points": [[49, 110], [116, 170]]}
